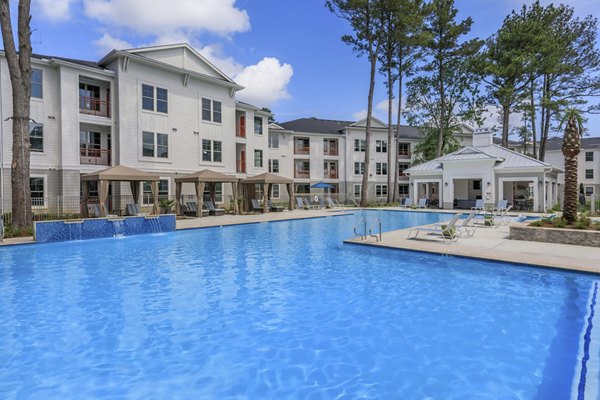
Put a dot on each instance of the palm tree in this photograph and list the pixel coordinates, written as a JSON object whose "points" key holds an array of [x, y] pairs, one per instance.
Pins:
{"points": [[570, 148]]}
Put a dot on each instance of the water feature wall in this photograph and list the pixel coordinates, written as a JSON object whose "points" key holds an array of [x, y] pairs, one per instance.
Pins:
{"points": [[95, 228]]}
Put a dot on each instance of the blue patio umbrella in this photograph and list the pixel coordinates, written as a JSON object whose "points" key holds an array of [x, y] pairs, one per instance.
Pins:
{"points": [[321, 185]]}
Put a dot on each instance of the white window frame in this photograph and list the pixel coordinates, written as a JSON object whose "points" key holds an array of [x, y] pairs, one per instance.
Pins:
{"points": [[586, 190], [273, 144], [586, 156], [211, 111], [380, 188], [155, 156], [359, 186], [262, 125], [272, 162], [586, 173], [360, 145], [273, 194], [381, 146], [45, 178], [41, 84], [361, 167], [379, 167]]}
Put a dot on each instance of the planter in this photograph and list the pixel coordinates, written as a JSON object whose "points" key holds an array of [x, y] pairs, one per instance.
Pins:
{"points": [[579, 237]]}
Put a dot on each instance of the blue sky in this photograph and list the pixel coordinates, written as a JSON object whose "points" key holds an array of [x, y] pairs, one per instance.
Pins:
{"points": [[288, 53]]}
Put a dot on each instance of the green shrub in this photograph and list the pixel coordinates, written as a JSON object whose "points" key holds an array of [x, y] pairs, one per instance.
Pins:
{"points": [[9, 232], [560, 223], [584, 221], [537, 223], [595, 226], [556, 207]]}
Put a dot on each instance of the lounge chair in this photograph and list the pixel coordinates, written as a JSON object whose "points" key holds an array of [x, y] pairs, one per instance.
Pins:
{"points": [[502, 205], [299, 203], [465, 226], [133, 209], [479, 205], [407, 202], [321, 202], [307, 204], [1, 229], [273, 208], [448, 231], [192, 209], [256, 206], [98, 212], [422, 203], [212, 210], [330, 203]]}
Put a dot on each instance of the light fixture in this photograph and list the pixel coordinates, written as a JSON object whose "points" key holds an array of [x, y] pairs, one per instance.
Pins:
{"points": [[174, 129], [445, 183], [489, 183]]}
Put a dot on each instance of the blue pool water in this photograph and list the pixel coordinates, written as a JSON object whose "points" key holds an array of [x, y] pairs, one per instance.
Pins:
{"points": [[283, 310]]}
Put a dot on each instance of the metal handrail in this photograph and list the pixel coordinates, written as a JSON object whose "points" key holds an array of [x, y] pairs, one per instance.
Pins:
{"points": [[377, 237], [1, 230], [362, 236]]}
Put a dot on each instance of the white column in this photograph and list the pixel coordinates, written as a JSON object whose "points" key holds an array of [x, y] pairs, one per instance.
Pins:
{"points": [[536, 195]]}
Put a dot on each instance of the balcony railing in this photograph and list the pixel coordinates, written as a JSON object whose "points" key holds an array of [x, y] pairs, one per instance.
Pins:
{"points": [[302, 174], [332, 151], [241, 131], [94, 106], [94, 156], [240, 166], [331, 175], [404, 154], [300, 149]]}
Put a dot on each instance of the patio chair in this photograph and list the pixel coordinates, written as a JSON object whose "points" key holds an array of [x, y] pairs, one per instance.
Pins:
{"points": [[299, 203], [307, 204], [479, 205], [98, 212], [256, 206], [448, 232], [502, 205], [212, 210], [133, 209], [407, 202], [273, 208], [192, 209], [422, 203], [465, 226], [1, 229], [330, 203]]}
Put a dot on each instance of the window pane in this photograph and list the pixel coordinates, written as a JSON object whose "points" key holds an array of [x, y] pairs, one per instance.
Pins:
{"points": [[218, 151], [275, 166], [274, 140], [258, 125], [258, 158], [275, 191], [162, 96], [162, 148], [37, 191], [163, 189], [148, 144], [205, 109], [36, 83], [36, 136], [217, 111], [206, 150], [148, 97]]}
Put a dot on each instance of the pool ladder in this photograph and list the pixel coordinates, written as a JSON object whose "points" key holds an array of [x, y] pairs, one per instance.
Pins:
{"points": [[364, 233]]}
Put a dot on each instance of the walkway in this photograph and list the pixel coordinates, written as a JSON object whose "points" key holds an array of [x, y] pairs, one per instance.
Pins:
{"points": [[495, 244]]}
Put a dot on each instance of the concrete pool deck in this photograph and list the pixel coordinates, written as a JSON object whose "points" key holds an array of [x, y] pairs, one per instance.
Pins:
{"points": [[495, 244]]}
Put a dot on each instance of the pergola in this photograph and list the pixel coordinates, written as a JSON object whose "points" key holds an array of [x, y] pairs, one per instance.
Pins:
{"points": [[200, 179], [119, 173], [266, 180]]}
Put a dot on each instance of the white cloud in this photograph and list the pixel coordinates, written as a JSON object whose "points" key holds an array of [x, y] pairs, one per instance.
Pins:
{"points": [[357, 116], [164, 18], [108, 42], [55, 9], [265, 82]]}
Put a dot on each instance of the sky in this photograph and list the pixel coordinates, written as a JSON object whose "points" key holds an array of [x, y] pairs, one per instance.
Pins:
{"points": [[287, 53]]}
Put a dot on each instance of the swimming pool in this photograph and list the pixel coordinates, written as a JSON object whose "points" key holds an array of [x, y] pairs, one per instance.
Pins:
{"points": [[285, 310]]}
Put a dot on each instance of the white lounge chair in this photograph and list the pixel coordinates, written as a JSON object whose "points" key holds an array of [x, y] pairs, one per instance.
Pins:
{"points": [[479, 205], [422, 203], [465, 226], [448, 232], [407, 202]]}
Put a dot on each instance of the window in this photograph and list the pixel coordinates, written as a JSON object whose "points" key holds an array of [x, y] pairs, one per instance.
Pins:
{"points": [[212, 150], [401, 168], [302, 169], [89, 97], [274, 166], [357, 190], [218, 192], [330, 169], [162, 101], [302, 188], [381, 168], [163, 191], [476, 185], [589, 156], [258, 125], [37, 191], [381, 190], [36, 136], [301, 146], [211, 110], [275, 190], [404, 149], [359, 168], [589, 190], [403, 190], [589, 174], [89, 143], [359, 145], [330, 147], [37, 83], [273, 140], [258, 158], [381, 146], [148, 144], [162, 145], [148, 97]]}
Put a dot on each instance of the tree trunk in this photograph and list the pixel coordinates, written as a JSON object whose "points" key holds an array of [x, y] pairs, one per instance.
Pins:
{"points": [[570, 149], [546, 114], [441, 139], [19, 67], [364, 189], [505, 121], [399, 119], [532, 111], [391, 169]]}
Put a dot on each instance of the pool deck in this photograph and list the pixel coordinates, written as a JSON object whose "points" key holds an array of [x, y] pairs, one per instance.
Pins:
{"points": [[495, 244]]}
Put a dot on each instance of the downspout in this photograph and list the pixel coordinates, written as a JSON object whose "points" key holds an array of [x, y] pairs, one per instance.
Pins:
{"points": [[1, 151]]}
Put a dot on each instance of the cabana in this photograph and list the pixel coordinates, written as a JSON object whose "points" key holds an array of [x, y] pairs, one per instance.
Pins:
{"points": [[266, 180], [200, 179], [119, 173]]}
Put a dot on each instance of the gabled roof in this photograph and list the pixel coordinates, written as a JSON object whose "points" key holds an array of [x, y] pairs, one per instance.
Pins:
{"points": [[375, 123], [316, 125], [83, 63], [504, 159]]}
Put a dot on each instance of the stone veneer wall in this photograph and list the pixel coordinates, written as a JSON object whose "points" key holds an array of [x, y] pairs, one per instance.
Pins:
{"points": [[95, 228], [555, 235]]}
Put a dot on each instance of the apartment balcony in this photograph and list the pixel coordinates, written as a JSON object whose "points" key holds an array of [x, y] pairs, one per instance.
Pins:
{"points": [[302, 174], [94, 156], [402, 177], [331, 152], [240, 166], [405, 155], [94, 106], [331, 175], [299, 149]]}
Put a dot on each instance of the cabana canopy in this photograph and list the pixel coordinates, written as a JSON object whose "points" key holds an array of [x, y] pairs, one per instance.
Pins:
{"points": [[119, 173], [201, 178], [266, 180]]}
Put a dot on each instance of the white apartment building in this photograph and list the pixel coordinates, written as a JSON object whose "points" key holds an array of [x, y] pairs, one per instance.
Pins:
{"points": [[588, 162], [162, 109]]}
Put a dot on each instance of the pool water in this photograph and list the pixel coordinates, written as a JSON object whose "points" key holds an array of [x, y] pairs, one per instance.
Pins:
{"points": [[284, 310]]}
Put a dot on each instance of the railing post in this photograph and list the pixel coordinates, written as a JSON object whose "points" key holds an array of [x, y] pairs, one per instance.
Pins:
{"points": [[593, 204]]}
